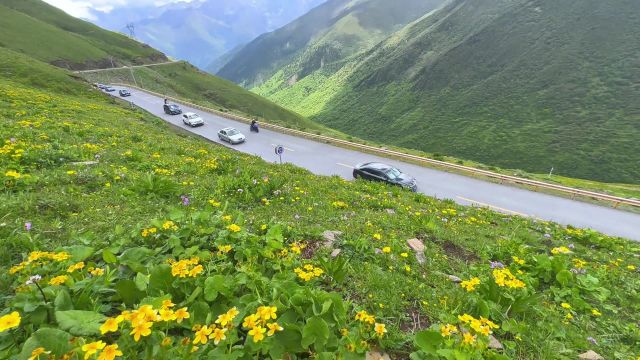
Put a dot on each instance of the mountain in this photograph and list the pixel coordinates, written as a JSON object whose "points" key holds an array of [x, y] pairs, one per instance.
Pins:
{"points": [[202, 31], [324, 37], [526, 84], [48, 34]]}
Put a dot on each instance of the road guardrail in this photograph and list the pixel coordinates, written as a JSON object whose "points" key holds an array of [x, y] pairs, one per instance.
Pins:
{"points": [[617, 201]]}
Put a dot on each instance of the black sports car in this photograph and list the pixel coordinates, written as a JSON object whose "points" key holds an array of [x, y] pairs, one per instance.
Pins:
{"points": [[124, 93], [385, 173]]}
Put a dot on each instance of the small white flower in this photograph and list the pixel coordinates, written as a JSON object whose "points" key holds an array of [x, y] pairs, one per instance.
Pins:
{"points": [[33, 279]]}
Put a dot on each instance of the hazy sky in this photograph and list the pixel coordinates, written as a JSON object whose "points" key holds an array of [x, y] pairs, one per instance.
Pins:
{"points": [[82, 8]]}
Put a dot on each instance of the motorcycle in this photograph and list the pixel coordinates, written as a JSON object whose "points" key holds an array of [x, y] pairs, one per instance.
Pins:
{"points": [[254, 128]]}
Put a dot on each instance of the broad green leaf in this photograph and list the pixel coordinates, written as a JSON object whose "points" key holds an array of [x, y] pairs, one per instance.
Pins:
{"points": [[108, 257], [136, 257], [79, 252], [80, 322], [564, 277], [428, 340], [214, 285], [129, 292], [315, 331], [54, 340], [142, 281], [160, 279], [63, 301]]}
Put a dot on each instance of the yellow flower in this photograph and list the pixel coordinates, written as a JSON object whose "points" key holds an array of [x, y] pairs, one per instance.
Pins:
{"points": [[58, 280], [560, 250], [404, 254], [218, 335], [250, 321], [407, 268], [167, 314], [9, 321], [110, 352], [77, 266], [380, 329], [233, 228], [92, 348], [167, 304], [344, 332], [466, 318], [470, 285], [257, 333], [273, 327], [169, 225], [71, 172], [97, 272], [35, 354], [214, 203], [226, 218], [202, 335], [166, 341], [141, 329], [569, 316], [110, 325], [504, 277], [181, 314], [377, 236], [448, 329], [267, 312], [13, 174], [386, 249], [468, 339], [565, 306], [263, 227], [224, 319], [631, 267], [596, 312], [517, 260]]}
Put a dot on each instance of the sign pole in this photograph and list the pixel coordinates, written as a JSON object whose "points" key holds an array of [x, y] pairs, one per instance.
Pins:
{"points": [[279, 150]]}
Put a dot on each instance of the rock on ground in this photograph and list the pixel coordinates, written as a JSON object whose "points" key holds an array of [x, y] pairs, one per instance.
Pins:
{"points": [[590, 355]]}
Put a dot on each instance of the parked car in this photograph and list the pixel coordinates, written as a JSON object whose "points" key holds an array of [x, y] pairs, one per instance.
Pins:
{"points": [[386, 173], [109, 89], [172, 109], [192, 119], [231, 135], [99, 86], [124, 93]]}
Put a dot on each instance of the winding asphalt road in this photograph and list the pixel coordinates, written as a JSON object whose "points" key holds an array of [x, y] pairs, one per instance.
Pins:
{"points": [[325, 159]]}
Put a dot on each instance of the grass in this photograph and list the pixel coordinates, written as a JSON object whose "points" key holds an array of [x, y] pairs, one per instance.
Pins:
{"points": [[44, 32], [126, 215]]}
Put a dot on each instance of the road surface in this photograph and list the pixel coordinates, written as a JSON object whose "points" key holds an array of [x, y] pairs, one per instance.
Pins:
{"points": [[325, 159]]}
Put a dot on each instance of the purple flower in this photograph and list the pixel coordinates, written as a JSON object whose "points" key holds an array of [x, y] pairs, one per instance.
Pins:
{"points": [[547, 236], [27, 226], [185, 200], [578, 271], [571, 246], [497, 265], [592, 340]]}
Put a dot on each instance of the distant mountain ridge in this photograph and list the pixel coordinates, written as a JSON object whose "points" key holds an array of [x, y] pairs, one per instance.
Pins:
{"points": [[203, 31], [525, 84]]}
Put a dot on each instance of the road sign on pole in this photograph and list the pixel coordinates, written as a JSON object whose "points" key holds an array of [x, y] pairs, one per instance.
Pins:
{"points": [[280, 151]]}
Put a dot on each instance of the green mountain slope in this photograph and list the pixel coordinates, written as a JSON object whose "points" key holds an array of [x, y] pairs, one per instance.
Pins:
{"points": [[321, 39], [510, 83], [46, 33], [93, 203]]}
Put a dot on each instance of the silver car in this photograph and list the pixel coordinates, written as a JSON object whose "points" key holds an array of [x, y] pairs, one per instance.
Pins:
{"points": [[192, 119], [231, 135]]}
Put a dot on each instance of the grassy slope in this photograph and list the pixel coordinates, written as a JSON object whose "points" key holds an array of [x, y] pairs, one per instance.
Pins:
{"points": [[48, 34], [145, 166], [185, 81], [553, 83]]}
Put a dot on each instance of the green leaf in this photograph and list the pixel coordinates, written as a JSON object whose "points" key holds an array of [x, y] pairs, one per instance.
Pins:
{"points": [[142, 281], [214, 285], [428, 340], [134, 258], [54, 340], [160, 279], [80, 322], [129, 292], [79, 252], [564, 277], [108, 257], [63, 301], [315, 331]]}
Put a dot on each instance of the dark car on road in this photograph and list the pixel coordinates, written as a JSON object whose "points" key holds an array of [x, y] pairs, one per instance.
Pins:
{"points": [[386, 173], [172, 109], [124, 93]]}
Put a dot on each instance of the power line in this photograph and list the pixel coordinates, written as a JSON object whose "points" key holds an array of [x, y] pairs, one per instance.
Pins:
{"points": [[132, 30]]}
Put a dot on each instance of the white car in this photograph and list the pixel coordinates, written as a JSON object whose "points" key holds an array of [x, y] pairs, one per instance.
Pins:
{"points": [[231, 135], [192, 119]]}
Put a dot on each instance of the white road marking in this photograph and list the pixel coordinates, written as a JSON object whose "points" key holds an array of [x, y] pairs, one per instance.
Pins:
{"points": [[286, 148], [494, 207], [345, 165]]}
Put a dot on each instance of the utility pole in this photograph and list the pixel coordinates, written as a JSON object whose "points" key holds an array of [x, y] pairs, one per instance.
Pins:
{"points": [[550, 172], [132, 30]]}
